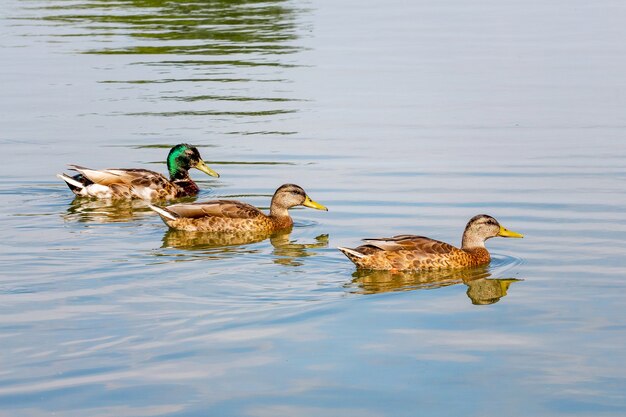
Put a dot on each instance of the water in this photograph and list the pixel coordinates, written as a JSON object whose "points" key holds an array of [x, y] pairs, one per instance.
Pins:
{"points": [[400, 117]]}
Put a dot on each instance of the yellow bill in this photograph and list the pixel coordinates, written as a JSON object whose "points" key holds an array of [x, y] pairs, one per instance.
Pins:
{"points": [[509, 233], [310, 203], [201, 166]]}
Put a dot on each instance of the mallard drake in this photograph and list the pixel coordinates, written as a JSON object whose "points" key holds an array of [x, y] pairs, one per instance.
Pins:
{"points": [[409, 252], [230, 216], [141, 183]]}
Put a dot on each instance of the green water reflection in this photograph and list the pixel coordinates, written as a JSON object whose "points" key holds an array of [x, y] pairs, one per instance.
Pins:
{"points": [[233, 43], [188, 27]]}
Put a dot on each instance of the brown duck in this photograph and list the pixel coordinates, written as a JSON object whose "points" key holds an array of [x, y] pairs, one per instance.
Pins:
{"points": [[230, 216], [409, 252], [121, 183]]}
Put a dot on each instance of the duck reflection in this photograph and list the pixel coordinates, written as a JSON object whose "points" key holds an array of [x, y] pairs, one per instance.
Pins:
{"points": [[290, 252], [484, 291], [481, 289], [87, 210], [287, 251]]}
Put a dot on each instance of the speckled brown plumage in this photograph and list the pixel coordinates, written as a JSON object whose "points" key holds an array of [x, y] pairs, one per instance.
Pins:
{"points": [[409, 252], [223, 216], [230, 216]]}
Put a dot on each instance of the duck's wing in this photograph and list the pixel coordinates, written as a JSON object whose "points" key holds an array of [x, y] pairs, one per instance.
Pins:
{"points": [[134, 177], [417, 244], [216, 208]]}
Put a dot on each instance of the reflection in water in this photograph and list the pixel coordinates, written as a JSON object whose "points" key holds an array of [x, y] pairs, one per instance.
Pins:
{"points": [[484, 291], [85, 210], [286, 251], [183, 240], [481, 289], [289, 252], [184, 27], [220, 45]]}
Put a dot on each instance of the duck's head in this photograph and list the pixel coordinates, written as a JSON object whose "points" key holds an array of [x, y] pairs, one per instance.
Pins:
{"points": [[291, 195], [483, 227], [182, 158]]}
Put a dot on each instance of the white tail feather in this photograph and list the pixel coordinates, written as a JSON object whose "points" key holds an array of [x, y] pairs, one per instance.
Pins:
{"points": [[71, 181], [163, 212], [351, 252]]}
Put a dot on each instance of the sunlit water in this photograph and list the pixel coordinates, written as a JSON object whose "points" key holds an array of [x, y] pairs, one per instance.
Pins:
{"points": [[401, 117]]}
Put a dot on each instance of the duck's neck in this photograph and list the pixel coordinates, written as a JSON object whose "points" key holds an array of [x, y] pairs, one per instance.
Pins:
{"points": [[280, 216], [178, 174], [475, 246], [184, 183], [470, 241]]}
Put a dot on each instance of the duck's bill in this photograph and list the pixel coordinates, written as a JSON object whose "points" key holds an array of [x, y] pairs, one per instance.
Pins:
{"points": [[201, 166], [312, 204], [509, 233]]}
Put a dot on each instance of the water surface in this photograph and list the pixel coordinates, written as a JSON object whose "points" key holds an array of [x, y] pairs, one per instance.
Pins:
{"points": [[401, 118]]}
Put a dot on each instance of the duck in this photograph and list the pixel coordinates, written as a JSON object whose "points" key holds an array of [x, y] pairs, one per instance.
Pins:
{"points": [[232, 216], [121, 183], [415, 253]]}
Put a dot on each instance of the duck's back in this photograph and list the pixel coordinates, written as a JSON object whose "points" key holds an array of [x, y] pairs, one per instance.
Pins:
{"points": [[130, 183], [410, 252], [219, 216]]}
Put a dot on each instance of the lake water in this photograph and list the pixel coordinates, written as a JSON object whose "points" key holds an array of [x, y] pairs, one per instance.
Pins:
{"points": [[401, 117]]}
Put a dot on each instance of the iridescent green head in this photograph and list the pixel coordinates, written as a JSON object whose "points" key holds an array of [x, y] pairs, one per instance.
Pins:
{"points": [[182, 158]]}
